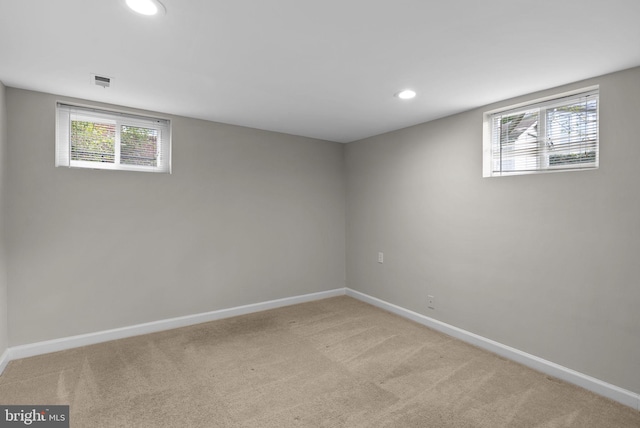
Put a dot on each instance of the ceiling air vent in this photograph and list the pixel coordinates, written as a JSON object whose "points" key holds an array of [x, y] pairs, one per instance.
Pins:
{"points": [[103, 81]]}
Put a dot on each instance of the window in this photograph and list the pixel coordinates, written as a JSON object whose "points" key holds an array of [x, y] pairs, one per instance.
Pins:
{"points": [[92, 138], [558, 134]]}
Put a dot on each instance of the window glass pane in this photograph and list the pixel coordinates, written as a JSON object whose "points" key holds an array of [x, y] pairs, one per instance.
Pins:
{"points": [[92, 141], [572, 133], [516, 147], [138, 146]]}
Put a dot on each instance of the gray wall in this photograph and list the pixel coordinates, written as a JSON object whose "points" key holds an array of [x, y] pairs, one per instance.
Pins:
{"points": [[4, 329], [247, 216], [548, 263]]}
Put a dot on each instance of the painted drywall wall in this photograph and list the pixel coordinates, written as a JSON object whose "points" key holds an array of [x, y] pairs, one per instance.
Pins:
{"points": [[544, 263], [246, 216], [4, 329]]}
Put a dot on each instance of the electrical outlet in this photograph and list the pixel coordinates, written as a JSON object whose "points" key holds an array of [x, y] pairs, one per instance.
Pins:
{"points": [[380, 257], [431, 302]]}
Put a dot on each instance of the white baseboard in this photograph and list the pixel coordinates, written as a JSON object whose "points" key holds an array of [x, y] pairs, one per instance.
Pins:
{"points": [[592, 384], [4, 360], [45, 347]]}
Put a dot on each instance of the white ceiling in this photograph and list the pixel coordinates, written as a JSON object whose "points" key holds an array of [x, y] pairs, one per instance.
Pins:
{"points": [[325, 69]]}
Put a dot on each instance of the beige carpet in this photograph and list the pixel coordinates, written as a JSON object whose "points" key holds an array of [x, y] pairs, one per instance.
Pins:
{"points": [[332, 363]]}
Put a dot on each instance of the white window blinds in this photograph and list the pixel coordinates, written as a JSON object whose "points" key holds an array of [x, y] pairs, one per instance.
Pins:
{"points": [[557, 134], [94, 138]]}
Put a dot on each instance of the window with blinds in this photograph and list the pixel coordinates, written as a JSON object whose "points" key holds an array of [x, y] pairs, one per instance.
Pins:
{"points": [[102, 139], [559, 134]]}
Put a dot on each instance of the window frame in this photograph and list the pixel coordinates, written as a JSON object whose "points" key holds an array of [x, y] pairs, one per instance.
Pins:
{"points": [[541, 105], [64, 113]]}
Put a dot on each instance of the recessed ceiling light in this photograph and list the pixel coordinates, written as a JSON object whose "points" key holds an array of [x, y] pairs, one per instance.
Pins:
{"points": [[146, 7], [407, 94]]}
